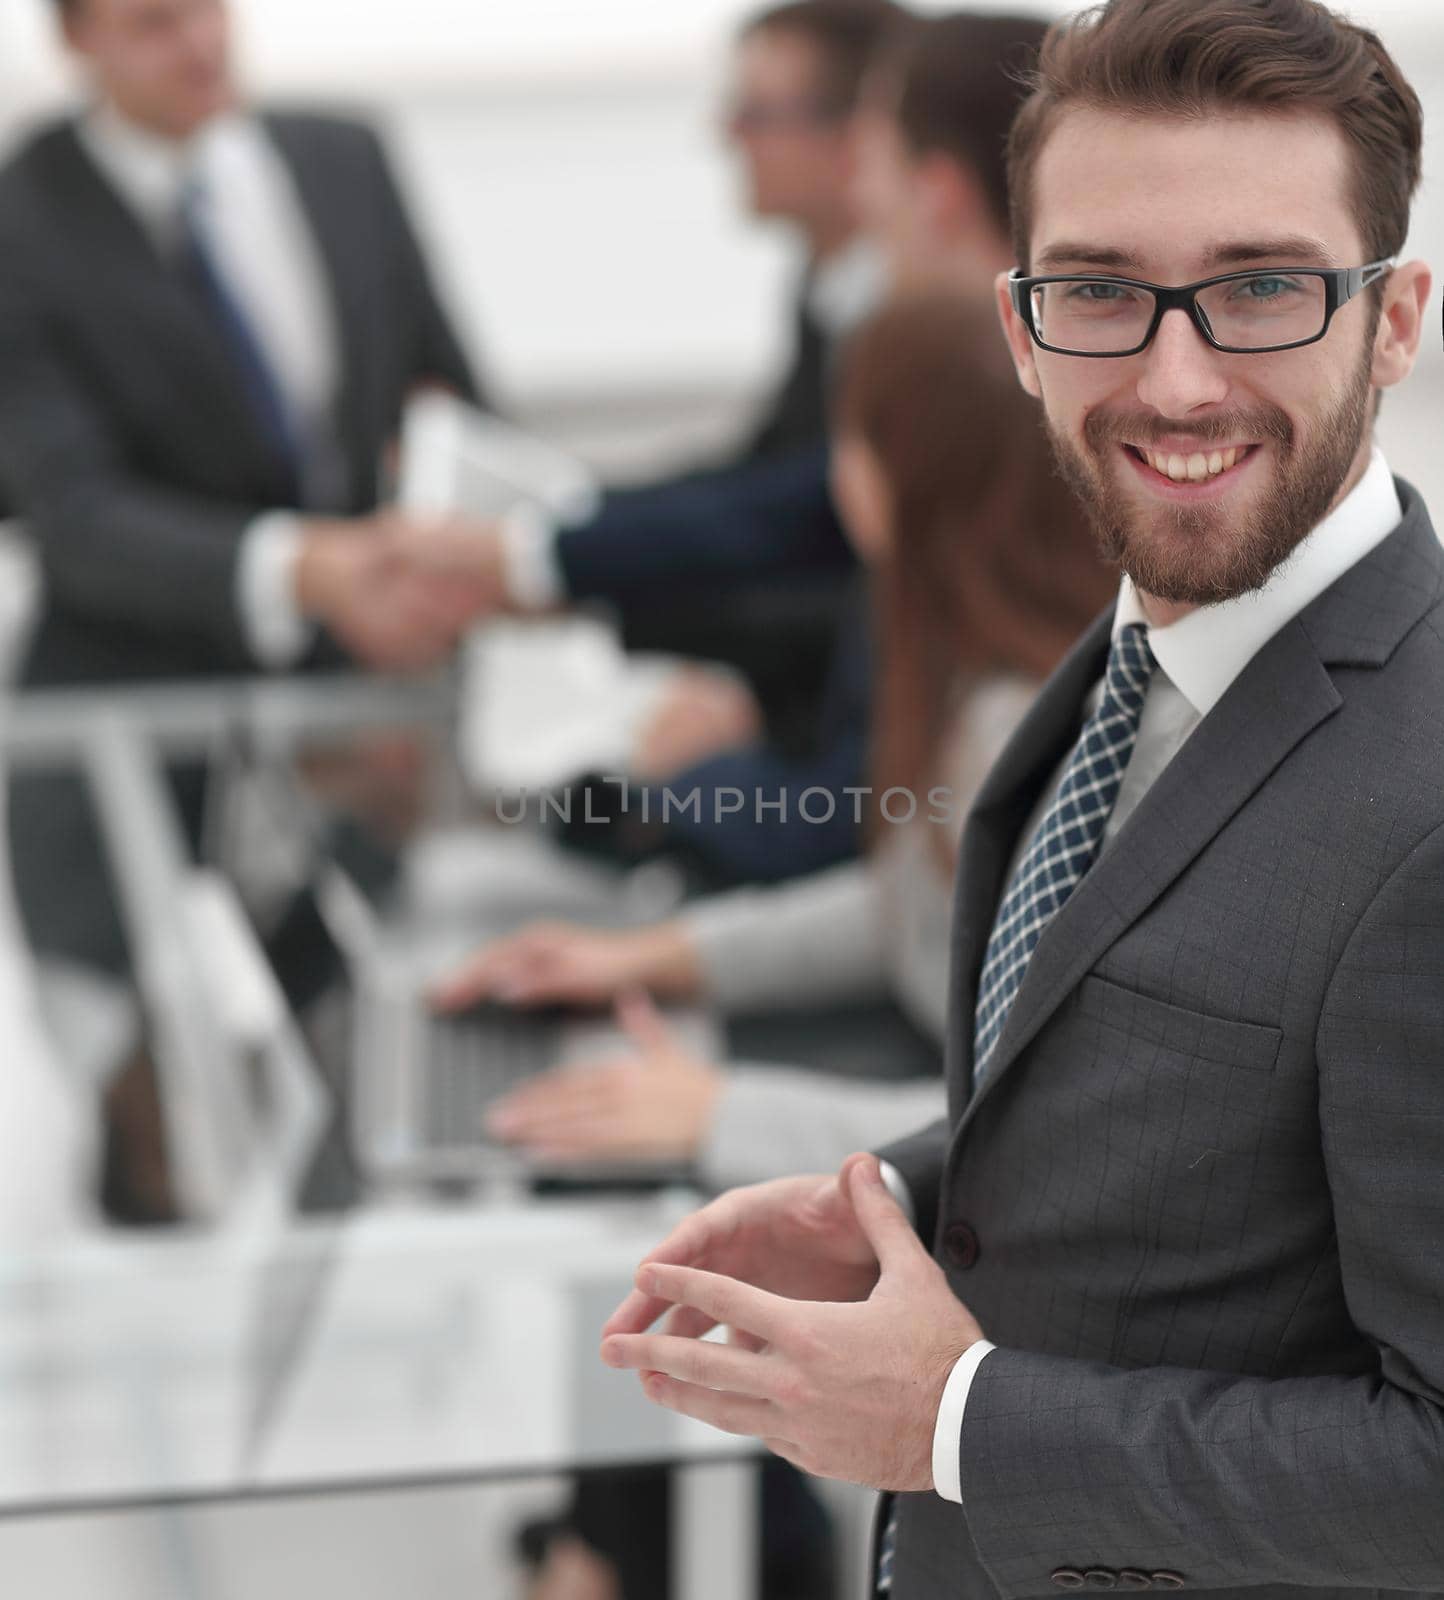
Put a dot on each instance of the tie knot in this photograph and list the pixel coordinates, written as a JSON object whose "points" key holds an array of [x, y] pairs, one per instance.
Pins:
{"points": [[1131, 663]]}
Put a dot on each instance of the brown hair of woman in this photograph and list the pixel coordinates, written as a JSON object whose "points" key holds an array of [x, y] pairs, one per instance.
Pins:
{"points": [[990, 566]]}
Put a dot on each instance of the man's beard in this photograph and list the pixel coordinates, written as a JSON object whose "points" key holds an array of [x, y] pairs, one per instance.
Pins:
{"points": [[1200, 555]]}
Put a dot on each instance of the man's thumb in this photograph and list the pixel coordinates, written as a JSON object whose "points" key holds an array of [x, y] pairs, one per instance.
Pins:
{"points": [[881, 1218]]}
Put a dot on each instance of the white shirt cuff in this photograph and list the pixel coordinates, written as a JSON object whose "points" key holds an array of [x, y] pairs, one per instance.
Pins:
{"points": [[530, 568], [898, 1189], [275, 630], [948, 1430]]}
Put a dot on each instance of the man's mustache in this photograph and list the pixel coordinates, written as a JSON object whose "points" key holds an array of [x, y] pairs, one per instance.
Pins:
{"points": [[1265, 425]]}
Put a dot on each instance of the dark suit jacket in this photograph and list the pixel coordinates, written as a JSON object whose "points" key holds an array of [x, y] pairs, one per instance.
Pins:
{"points": [[761, 521], [128, 445], [1197, 1202], [796, 415], [126, 439]]}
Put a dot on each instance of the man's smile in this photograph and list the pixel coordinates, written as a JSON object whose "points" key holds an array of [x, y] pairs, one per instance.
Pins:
{"points": [[1176, 471]]}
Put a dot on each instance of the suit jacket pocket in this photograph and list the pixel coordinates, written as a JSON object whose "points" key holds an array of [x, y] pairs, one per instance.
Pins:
{"points": [[1138, 1022]]}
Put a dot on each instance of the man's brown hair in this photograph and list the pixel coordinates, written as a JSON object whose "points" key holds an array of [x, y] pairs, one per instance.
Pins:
{"points": [[956, 83], [846, 34], [1194, 58]]}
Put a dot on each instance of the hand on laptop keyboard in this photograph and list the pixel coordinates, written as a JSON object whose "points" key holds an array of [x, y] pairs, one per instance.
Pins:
{"points": [[555, 963], [654, 1104]]}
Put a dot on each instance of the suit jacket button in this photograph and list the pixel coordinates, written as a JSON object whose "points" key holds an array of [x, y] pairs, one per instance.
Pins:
{"points": [[1100, 1578], [1167, 1580], [960, 1246], [1068, 1578], [1132, 1578]]}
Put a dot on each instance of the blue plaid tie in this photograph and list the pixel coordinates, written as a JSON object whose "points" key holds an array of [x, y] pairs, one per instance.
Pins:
{"points": [[1061, 851], [1067, 839]]}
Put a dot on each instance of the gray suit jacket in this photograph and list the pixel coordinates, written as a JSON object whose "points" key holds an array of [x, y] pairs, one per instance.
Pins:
{"points": [[1199, 1201]]}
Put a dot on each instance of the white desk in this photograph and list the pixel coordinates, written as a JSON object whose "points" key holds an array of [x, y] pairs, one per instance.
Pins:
{"points": [[387, 1350]]}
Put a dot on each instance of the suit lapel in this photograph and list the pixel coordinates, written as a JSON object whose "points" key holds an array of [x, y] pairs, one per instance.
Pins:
{"points": [[140, 280], [1284, 693], [997, 818]]}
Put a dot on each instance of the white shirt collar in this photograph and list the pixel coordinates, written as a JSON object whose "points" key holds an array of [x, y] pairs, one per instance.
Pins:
{"points": [[150, 172], [843, 291], [1205, 651]]}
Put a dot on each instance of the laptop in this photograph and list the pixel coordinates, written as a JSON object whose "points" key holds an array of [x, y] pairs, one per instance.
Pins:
{"points": [[421, 1083]]}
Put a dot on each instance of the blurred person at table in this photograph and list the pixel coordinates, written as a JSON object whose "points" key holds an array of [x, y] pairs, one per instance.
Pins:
{"points": [[931, 187], [983, 574], [210, 318]]}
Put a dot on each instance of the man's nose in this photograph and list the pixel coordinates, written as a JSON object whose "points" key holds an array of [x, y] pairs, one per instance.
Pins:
{"points": [[1181, 371]]}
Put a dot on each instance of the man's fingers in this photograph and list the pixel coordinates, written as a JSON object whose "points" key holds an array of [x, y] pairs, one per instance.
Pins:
{"points": [[725, 1300], [740, 1414], [893, 1238], [714, 1366], [687, 1322], [635, 1314], [689, 1243]]}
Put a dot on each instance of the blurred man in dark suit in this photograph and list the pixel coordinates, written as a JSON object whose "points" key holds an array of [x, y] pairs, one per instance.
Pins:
{"points": [[797, 77], [210, 318]]}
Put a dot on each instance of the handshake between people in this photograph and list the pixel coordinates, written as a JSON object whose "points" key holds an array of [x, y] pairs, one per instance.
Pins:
{"points": [[842, 1328], [398, 591]]}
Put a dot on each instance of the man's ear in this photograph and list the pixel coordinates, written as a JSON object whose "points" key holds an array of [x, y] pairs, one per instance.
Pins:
{"points": [[1020, 341], [1401, 324]]}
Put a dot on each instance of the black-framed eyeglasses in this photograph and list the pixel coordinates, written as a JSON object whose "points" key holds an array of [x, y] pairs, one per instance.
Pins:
{"points": [[1240, 313]]}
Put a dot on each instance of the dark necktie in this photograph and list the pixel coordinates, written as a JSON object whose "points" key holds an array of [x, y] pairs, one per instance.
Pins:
{"points": [[1067, 840], [207, 275]]}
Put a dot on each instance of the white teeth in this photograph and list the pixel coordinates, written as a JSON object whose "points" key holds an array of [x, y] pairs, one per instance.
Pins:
{"points": [[1195, 468]]}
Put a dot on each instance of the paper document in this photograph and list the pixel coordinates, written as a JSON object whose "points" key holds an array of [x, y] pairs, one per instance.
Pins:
{"points": [[456, 458]]}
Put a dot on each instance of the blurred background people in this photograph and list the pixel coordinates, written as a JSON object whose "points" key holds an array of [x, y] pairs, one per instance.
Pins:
{"points": [[929, 187], [210, 317], [745, 563], [984, 572]]}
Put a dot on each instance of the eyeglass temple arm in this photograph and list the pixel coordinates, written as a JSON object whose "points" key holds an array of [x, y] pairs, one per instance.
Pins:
{"points": [[1362, 277]]}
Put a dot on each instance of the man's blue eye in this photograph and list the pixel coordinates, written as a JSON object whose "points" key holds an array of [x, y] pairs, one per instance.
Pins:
{"points": [[1268, 288]]}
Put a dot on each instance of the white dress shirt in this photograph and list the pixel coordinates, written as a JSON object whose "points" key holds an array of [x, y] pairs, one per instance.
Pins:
{"points": [[257, 230], [1198, 658], [840, 294]]}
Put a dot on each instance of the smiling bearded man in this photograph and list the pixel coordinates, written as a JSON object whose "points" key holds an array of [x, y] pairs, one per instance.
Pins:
{"points": [[1189, 1183]]}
